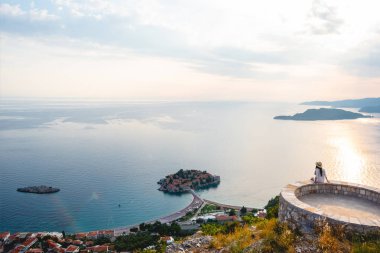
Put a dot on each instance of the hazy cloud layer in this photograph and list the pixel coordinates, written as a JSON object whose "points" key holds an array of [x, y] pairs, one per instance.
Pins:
{"points": [[289, 40]]}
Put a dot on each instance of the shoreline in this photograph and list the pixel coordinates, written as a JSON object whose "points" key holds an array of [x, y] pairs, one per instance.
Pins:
{"points": [[197, 202]]}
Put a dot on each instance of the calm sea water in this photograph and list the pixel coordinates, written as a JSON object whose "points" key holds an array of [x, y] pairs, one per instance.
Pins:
{"points": [[102, 154]]}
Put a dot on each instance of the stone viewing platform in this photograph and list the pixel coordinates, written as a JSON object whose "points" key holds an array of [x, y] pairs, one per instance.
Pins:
{"points": [[42, 189], [355, 206], [185, 180]]}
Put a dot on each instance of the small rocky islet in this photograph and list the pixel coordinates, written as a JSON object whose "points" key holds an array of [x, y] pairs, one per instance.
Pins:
{"points": [[185, 180], [42, 189]]}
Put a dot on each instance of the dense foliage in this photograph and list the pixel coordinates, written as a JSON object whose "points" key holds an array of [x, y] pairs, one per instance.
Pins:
{"points": [[162, 229], [213, 228], [272, 207], [135, 241]]}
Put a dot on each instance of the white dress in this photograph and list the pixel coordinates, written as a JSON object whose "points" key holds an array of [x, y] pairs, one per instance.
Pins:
{"points": [[318, 177]]}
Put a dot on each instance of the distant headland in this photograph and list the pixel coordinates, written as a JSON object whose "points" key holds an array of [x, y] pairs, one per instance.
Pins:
{"points": [[370, 105], [42, 189], [323, 114], [185, 180]]}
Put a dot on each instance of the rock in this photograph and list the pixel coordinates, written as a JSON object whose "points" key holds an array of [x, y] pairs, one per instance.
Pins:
{"points": [[42, 189]]}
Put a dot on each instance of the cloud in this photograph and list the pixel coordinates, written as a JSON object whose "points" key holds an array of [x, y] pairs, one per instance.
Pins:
{"points": [[8, 11], [11, 10], [41, 15], [323, 19]]}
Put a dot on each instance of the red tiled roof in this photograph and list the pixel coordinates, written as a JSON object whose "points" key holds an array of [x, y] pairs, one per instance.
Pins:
{"points": [[77, 242], [88, 243], [92, 233], [3, 235], [72, 248], [37, 250], [80, 235], [30, 242], [99, 248], [225, 218], [52, 244]]}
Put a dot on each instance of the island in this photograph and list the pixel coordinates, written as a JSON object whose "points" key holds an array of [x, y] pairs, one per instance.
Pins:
{"points": [[324, 114], [370, 109], [185, 180], [370, 105], [42, 189]]}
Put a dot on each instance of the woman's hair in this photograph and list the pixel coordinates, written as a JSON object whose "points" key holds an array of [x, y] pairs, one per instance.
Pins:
{"points": [[320, 170]]}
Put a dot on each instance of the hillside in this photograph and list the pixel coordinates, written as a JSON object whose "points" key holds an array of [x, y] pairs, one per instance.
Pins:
{"points": [[323, 114]]}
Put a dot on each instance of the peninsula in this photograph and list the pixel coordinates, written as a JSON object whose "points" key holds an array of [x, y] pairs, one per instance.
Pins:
{"points": [[324, 114], [370, 105], [42, 189], [185, 180]]}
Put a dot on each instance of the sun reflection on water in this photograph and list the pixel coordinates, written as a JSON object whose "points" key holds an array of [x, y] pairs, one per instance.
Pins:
{"points": [[349, 161]]}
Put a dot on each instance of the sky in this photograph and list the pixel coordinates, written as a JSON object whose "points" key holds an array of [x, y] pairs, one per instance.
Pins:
{"points": [[292, 50]]}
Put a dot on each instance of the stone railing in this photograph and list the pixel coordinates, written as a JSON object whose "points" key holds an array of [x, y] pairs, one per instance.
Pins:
{"points": [[300, 215]]}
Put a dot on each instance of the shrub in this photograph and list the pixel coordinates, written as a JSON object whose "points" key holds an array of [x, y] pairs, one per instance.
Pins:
{"points": [[272, 207], [235, 241], [131, 242], [365, 243], [331, 238], [366, 247], [276, 236], [213, 228], [250, 219]]}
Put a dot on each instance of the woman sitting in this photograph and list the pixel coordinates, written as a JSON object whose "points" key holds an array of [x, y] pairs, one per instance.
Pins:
{"points": [[320, 174]]}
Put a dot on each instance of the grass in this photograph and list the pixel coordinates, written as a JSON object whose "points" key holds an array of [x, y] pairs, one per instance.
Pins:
{"points": [[208, 208], [366, 247], [235, 241]]}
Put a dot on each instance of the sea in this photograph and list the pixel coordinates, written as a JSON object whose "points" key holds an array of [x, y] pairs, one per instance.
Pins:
{"points": [[107, 156]]}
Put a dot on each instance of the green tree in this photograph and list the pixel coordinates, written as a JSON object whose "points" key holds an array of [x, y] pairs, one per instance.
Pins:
{"points": [[243, 210], [272, 207]]}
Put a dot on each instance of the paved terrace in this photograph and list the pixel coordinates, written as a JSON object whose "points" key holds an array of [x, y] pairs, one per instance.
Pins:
{"points": [[355, 206]]}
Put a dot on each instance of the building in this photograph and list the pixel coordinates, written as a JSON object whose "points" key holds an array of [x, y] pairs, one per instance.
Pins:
{"points": [[4, 236], [37, 250], [167, 239], [261, 213], [225, 218], [99, 248], [92, 235], [77, 242], [72, 249]]}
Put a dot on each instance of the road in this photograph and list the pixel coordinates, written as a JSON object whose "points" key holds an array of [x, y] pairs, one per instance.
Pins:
{"points": [[196, 203], [225, 206]]}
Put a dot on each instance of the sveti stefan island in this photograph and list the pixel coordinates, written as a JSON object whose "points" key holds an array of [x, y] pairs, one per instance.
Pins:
{"points": [[189, 126]]}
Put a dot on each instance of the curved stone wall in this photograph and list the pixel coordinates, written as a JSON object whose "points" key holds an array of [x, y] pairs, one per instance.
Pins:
{"points": [[303, 216]]}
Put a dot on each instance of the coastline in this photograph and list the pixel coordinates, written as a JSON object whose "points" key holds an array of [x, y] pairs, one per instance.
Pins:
{"points": [[197, 202]]}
